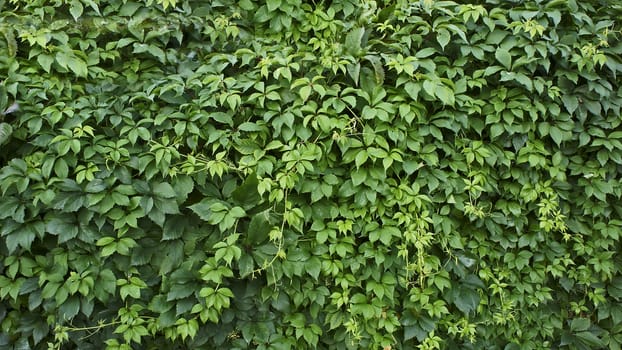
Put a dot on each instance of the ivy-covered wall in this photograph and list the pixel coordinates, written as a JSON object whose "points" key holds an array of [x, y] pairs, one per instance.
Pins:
{"points": [[288, 174]]}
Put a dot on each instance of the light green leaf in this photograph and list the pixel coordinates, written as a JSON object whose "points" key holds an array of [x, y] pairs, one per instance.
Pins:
{"points": [[503, 56], [426, 52], [77, 66], [361, 158], [305, 92], [237, 212], [429, 87], [496, 130], [445, 94], [75, 8], [45, 61], [222, 117], [273, 4], [246, 5], [443, 37], [412, 89]]}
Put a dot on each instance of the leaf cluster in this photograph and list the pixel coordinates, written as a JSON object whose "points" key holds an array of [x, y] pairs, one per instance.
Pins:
{"points": [[325, 175]]}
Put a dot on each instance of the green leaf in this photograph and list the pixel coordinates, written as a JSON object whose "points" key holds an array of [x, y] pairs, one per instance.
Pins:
{"points": [[106, 284], [96, 186], [445, 94], [590, 339], [174, 227], [61, 168], [11, 43], [504, 57], [237, 212], [305, 92], [571, 103], [247, 194], [556, 135], [246, 5], [273, 4], [313, 266], [429, 87], [164, 190], [179, 291], [77, 66], [376, 64], [250, 127], [105, 241], [412, 89], [202, 209], [384, 234], [258, 228], [496, 130], [129, 290], [20, 238], [580, 324], [5, 133], [358, 176], [351, 100], [222, 118], [425, 52], [4, 99], [361, 158], [246, 265], [522, 259], [615, 289], [354, 40], [62, 227], [354, 70], [75, 8], [45, 61], [129, 8], [70, 308], [465, 299], [443, 37]]}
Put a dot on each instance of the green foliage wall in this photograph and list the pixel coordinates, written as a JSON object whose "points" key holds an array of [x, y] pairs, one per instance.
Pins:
{"points": [[349, 174]]}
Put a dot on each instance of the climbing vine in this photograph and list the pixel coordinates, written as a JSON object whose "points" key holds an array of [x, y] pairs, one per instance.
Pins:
{"points": [[291, 174]]}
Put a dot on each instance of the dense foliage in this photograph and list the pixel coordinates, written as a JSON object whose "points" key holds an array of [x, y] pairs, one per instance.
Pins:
{"points": [[310, 174]]}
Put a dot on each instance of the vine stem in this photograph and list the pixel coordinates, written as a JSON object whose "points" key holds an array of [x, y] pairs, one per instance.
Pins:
{"points": [[280, 241], [90, 328]]}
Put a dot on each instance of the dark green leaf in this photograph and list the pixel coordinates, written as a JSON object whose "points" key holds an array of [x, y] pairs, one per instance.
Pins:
{"points": [[5, 132], [164, 190], [247, 194]]}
